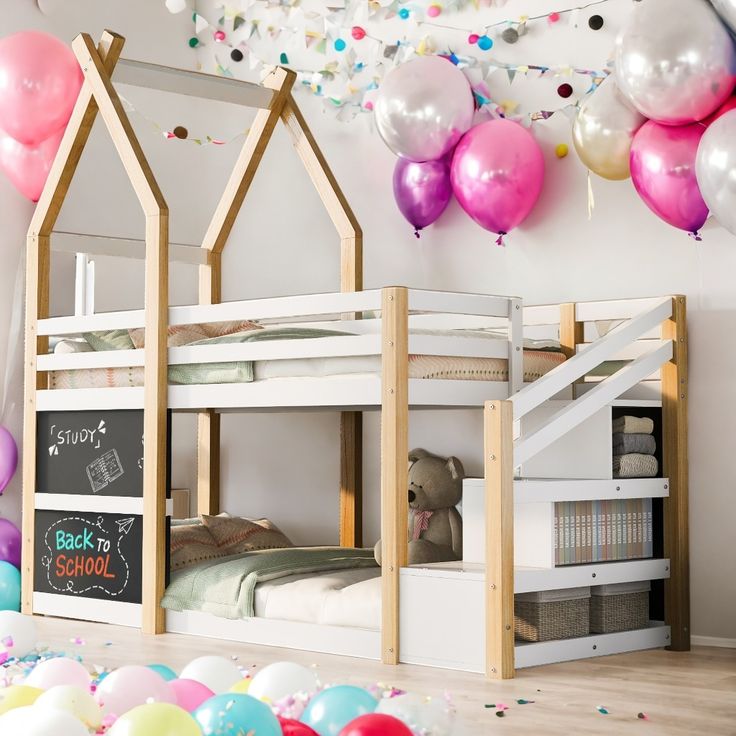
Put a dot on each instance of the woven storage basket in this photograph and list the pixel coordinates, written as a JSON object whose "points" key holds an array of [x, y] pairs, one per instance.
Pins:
{"points": [[620, 607], [552, 614]]}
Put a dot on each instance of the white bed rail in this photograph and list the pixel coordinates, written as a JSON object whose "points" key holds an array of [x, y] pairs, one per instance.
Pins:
{"points": [[623, 340]]}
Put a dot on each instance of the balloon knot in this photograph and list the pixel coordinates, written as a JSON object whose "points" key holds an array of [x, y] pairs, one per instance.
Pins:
{"points": [[695, 235], [416, 232], [499, 239]]}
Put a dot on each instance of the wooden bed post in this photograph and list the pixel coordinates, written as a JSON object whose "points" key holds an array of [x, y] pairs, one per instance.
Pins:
{"points": [[572, 333], [394, 458], [351, 279], [675, 457], [38, 261], [498, 424], [156, 307]]}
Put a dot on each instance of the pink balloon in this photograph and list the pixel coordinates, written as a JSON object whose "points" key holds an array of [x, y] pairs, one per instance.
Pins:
{"points": [[422, 190], [132, 685], [28, 166], [58, 671], [190, 694], [376, 724], [10, 540], [663, 171], [497, 174], [40, 80], [8, 458]]}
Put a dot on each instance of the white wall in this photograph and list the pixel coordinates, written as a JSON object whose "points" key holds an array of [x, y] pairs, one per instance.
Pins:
{"points": [[286, 465]]}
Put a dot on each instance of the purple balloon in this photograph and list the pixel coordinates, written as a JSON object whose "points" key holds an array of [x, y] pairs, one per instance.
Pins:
{"points": [[663, 171], [422, 190], [9, 543], [8, 458], [497, 174]]}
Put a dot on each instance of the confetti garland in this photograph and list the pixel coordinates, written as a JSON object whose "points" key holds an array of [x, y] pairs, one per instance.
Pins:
{"points": [[357, 60]]}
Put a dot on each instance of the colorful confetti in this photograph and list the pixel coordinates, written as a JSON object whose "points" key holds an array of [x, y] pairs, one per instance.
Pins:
{"points": [[603, 711]]}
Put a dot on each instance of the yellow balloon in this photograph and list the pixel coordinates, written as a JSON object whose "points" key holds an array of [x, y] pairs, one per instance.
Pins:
{"points": [[241, 686], [161, 719], [561, 150], [74, 700], [16, 696]]}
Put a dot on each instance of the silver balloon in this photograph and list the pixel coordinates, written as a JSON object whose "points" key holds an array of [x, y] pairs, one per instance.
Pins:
{"points": [[715, 169], [675, 61], [423, 108], [603, 130], [727, 10]]}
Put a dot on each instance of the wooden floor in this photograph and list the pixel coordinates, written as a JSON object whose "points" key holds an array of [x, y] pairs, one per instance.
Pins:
{"points": [[682, 693]]}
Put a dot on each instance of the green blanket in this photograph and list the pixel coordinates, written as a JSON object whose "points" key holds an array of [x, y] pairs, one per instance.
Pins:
{"points": [[239, 371], [226, 587]]}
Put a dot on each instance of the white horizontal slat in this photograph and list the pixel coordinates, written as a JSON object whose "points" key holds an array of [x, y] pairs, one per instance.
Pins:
{"points": [[598, 352], [100, 359], [88, 609], [421, 300], [106, 245], [125, 320], [86, 502], [468, 347], [533, 490], [579, 410], [543, 314], [278, 307], [80, 399], [595, 645], [529, 579], [193, 84], [616, 309], [629, 352]]}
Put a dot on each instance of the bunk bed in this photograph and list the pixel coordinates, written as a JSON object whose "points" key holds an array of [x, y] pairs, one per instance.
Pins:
{"points": [[396, 336]]}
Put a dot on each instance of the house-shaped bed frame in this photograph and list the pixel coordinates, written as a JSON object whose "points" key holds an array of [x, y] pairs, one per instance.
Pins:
{"points": [[491, 587], [275, 104]]}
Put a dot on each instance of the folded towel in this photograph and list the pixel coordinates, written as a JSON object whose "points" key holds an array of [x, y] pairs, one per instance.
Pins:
{"points": [[633, 425], [623, 444], [634, 465]]}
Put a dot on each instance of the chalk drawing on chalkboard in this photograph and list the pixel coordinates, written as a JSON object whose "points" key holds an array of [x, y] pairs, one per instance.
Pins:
{"points": [[125, 525], [84, 555], [104, 470]]}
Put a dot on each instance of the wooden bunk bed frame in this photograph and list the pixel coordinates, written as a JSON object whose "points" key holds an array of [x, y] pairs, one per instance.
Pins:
{"points": [[395, 393]]}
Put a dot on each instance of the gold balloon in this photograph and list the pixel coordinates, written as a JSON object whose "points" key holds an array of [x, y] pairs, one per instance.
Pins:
{"points": [[603, 130]]}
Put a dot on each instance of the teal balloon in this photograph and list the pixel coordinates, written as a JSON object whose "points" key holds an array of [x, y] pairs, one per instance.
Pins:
{"points": [[235, 714], [166, 672], [9, 587], [329, 711]]}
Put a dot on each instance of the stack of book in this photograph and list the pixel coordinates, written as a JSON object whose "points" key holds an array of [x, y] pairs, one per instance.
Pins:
{"points": [[600, 531]]}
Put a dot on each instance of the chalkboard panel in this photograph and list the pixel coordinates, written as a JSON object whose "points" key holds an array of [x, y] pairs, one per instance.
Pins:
{"points": [[89, 555], [90, 452]]}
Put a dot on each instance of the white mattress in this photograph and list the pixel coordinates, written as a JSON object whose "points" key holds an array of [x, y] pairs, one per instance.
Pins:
{"points": [[336, 598]]}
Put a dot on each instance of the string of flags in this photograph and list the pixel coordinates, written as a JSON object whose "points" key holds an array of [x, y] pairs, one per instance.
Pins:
{"points": [[262, 33]]}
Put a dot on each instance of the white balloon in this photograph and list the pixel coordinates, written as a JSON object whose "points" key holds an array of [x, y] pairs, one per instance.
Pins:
{"points": [[217, 673], [281, 679], [58, 671], [176, 6], [73, 700], [714, 168], [19, 629], [426, 715], [31, 721]]}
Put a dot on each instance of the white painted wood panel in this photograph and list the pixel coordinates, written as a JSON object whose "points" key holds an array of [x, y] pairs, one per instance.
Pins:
{"points": [[87, 609]]}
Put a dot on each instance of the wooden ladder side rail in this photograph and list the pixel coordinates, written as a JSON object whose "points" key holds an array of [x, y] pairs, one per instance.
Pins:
{"points": [[498, 450], [351, 279], [156, 322], [572, 334], [210, 273], [675, 391], [394, 454], [38, 262]]}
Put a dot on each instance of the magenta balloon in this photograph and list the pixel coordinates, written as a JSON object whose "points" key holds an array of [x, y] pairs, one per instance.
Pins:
{"points": [[663, 171], [8, 458], [422, 190], [497, 174], [28, 166], [9, 543], [40, 80]]}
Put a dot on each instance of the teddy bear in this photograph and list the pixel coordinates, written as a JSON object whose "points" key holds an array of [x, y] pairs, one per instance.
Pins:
{"points": [[435, 526]]}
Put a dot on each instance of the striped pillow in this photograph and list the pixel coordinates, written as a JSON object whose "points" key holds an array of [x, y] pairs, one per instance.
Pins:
{"points": [[185, 334], [235, 535], [192, 544]]}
